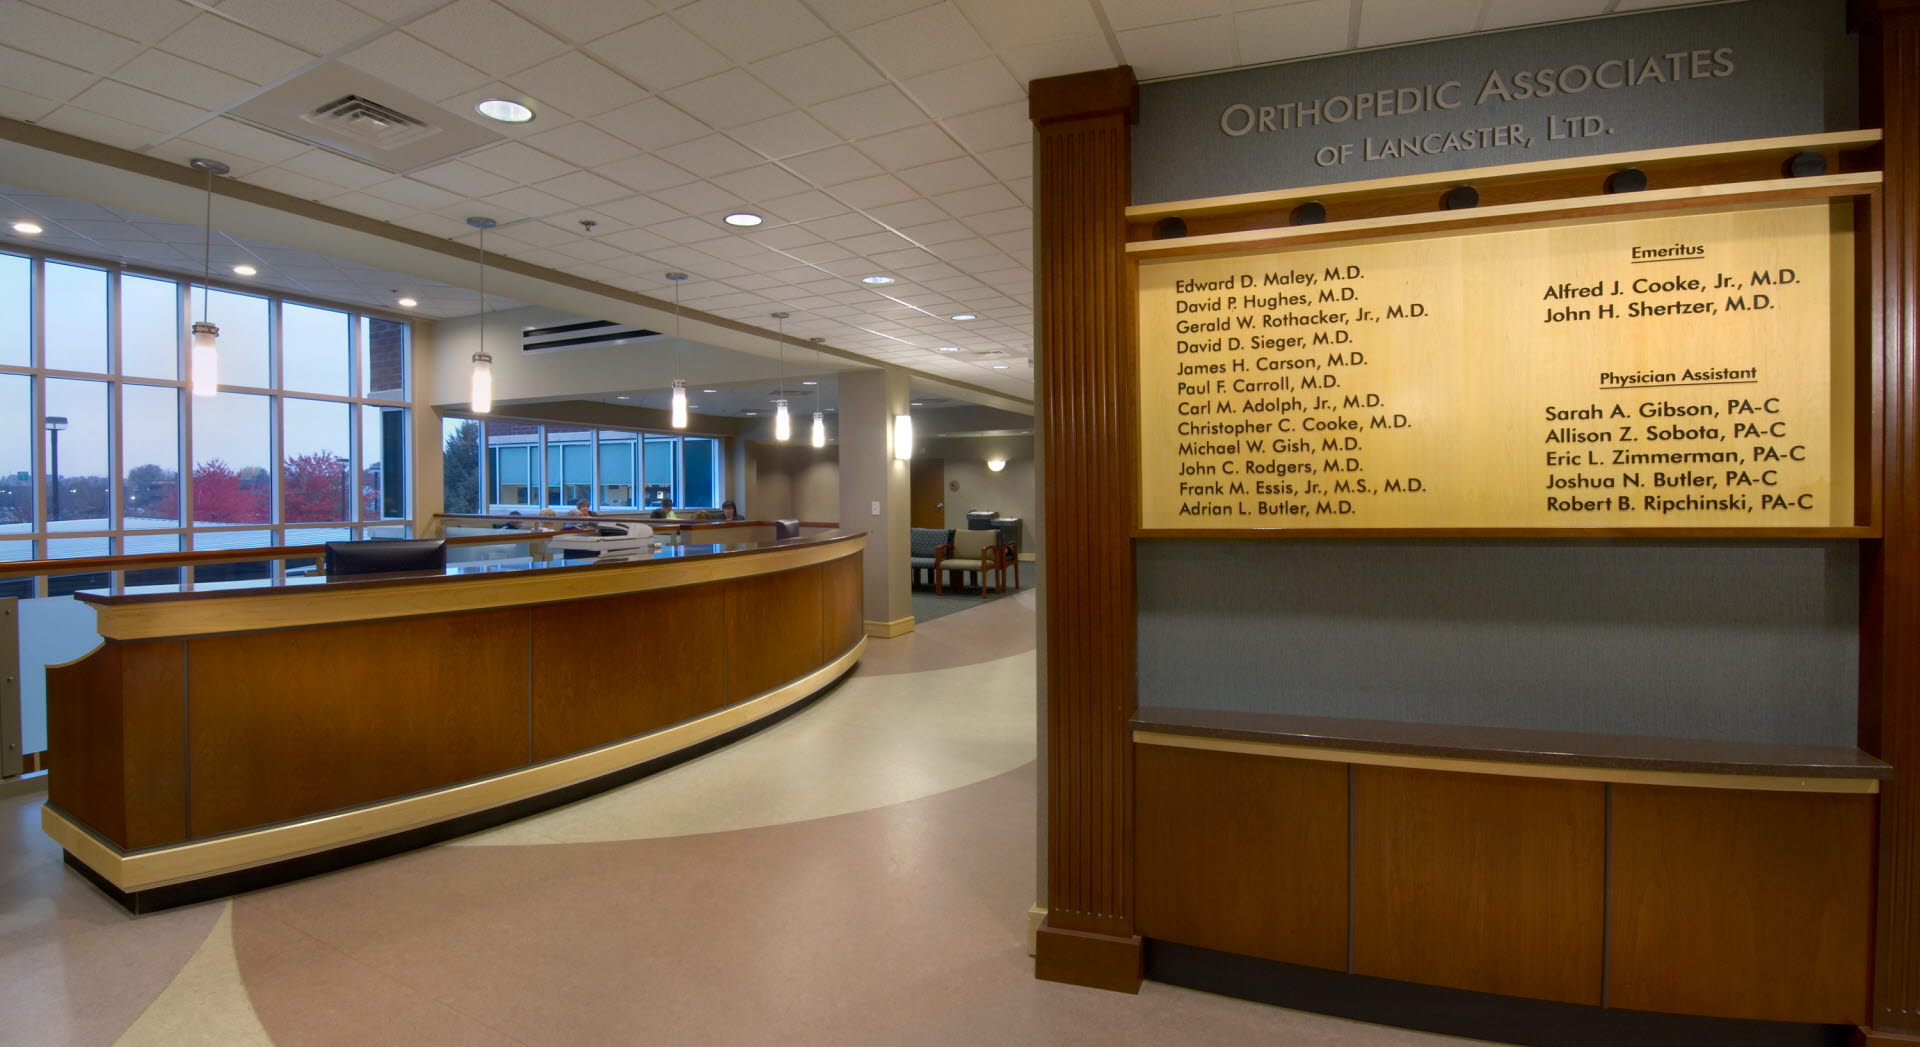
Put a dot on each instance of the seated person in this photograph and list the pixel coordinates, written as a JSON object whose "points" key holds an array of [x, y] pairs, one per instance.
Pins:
{"points": [[665, 512], [580, 508], [511, 525], [730, 511]]}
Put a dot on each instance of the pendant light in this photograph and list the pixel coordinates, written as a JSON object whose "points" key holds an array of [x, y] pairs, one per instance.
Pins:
{"points": [[480, 393], [819, 419], [782, 422], [203, 364], [679, 349]]}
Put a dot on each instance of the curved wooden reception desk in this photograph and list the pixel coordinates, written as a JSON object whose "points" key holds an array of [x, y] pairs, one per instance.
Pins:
{"points": [[223, 738]]}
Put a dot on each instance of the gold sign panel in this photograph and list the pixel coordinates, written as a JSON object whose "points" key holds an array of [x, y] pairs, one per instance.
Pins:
{"points": [[1656, 372]]}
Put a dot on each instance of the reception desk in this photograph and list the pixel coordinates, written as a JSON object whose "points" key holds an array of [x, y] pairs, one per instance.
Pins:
{"points": [[229, 736]]}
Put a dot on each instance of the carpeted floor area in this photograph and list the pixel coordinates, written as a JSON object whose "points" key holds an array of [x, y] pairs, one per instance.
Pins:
{"points": [[927, 605]]}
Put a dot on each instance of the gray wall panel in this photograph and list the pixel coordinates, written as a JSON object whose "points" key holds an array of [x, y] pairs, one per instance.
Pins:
{"points": [[1740, 642]]}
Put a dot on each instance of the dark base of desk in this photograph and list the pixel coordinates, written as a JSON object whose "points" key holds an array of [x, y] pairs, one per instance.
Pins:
{"points": [[170, 896], [1455, 1012]]}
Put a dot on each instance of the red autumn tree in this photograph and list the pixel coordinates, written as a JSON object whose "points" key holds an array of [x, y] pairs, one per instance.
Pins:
{"points": [[313, 488], [221, 495]]}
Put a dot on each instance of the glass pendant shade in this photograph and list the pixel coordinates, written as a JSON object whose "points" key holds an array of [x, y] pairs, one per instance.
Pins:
{"points": [[480, 398], [204, 364], [679, 404], [819, 429], [782, 422]]}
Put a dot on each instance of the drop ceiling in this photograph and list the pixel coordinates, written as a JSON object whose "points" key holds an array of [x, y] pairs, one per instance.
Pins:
{"points": [[876, 137]]}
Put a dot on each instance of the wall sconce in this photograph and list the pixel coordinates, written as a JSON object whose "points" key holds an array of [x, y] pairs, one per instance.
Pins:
{"points": [[903, 437], [994, 465]]}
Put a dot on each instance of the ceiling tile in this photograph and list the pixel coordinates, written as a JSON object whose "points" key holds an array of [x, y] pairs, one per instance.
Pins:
{"points": [[37, 76], [582, 145], [874, 244], [921, 41], [487, 36], [62, 39], [947, 176], [803, 206], [840, 227], [292, 183], [583, 188], [582, 21], [405, 62], [936, 232], [1058, 57], [1014, 161], [88, 124], [1133, 14], [910, 147], [239, 51], [319, 26], [641, 210], [341, 171], [700, 198], [748, 30], [1275, 34], [651, 124], [1176, 49], [978, 200], [1398, 21], [992, 129], [874, 191], [784, 238], [712, 155], [370, 206], [820, 252], [1504, 14], [185, 81], [829, 167], [131, 103], [460, 177], [785, 135], [518, 162], [852, 14], [1013, 219], [729, 99], [659, 54], [637, 240], [421, 196], [818, 71], [765, 182], [645, 173], [871, 112], [19, 105], [979, 84], [577, 84], [527, 201], [1016, 23], [907, 212], [145, 20]]}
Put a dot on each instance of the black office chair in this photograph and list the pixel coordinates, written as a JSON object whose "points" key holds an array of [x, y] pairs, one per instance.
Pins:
{"points": [[783, 529], [386, 555]]}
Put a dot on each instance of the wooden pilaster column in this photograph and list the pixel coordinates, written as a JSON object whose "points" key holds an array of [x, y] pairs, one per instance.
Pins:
{"points": [[1890, 623], [1088, 375]]}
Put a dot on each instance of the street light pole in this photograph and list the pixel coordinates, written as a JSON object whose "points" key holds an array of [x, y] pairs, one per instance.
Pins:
{"points": [[55, 425]]}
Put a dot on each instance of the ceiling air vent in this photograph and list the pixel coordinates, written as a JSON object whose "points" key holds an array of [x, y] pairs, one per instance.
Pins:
{"points": [[382, 127], [581, 335], [340, 108]]}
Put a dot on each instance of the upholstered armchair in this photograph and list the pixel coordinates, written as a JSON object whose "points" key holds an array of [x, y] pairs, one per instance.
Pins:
{"points": [[973, 552], [924, 547]]}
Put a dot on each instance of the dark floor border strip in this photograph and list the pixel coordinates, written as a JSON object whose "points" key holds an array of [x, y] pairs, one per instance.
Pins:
{"points": [[170, 896], [1457, 1012]]}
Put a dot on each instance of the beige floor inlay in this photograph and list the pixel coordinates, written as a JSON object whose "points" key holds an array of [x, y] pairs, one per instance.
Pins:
{"points": [[205, 1004]]}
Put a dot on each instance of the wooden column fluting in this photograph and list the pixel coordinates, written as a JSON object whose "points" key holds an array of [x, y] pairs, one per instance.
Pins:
{"points": [[1890, 622], [1088, 379]]}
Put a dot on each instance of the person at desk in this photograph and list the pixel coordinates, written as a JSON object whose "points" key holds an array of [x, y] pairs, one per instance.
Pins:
{"points": [[665, 512], [581, 508], [729, 511]]}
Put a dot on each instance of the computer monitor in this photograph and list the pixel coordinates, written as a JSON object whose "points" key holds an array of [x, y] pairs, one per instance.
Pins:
{"points": [[386, 555]]}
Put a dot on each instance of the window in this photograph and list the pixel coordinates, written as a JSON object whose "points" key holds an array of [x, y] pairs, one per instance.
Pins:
{"points": [[96, 423], [527, 464]]}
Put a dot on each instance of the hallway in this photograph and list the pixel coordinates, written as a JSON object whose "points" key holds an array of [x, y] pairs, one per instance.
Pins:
{"points": [[858, 874]]}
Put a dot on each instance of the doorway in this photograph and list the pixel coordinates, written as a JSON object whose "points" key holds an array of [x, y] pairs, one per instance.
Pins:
{"points": [[927, 497]]}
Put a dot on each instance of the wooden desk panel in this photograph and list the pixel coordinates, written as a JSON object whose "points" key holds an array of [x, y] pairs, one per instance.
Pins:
{"points": [[1244, 854], [1741, 904], [618, 666], [292, 723], [1470, 881], [843, 604], [118, 727], [766, 648]]}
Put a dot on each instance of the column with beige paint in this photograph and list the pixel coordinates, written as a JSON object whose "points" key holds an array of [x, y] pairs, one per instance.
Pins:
{"points": [[873, 491]]}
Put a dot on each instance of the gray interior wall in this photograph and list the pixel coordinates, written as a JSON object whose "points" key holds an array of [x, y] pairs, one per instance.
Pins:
{"points": [[1740, 642]]}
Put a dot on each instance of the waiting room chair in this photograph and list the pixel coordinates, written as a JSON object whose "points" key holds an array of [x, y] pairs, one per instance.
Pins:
{"points": [[971, 551]]}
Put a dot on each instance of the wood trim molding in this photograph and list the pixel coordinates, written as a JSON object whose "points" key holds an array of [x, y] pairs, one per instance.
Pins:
{"points": [[1851, 184], [1089, 442], [1890, 613], [889, 630], [159, 866], [1688, 779], [287, 608], [1606, 161]]}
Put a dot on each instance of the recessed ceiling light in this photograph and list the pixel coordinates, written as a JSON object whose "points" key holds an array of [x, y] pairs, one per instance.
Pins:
{"points": [[408, 303], [916, 403], [964, 316], [244, 270], [876, 279], [28, 228], [623, 398], [743, 218], [504, 110], [999, 367], [750, 412], [809, 382], [709, 390], [946, 349]]}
